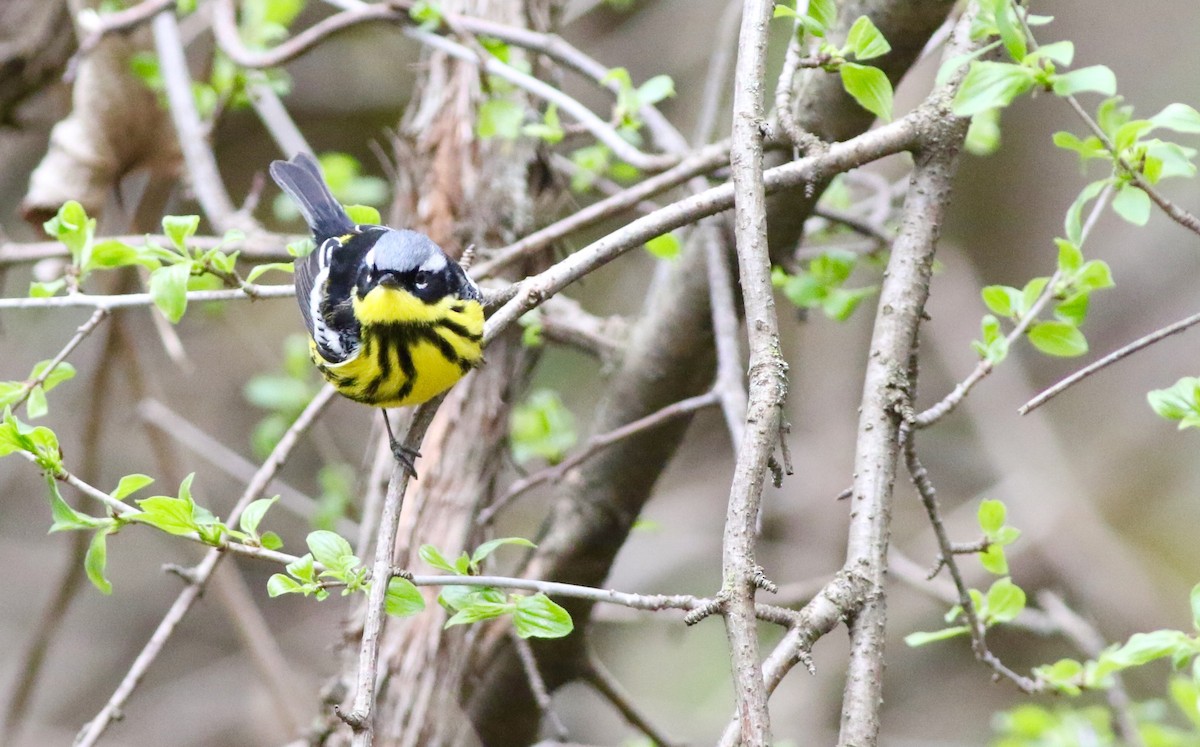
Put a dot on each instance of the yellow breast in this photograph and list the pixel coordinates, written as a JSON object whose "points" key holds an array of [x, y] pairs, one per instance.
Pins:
{"points": [[410, 351]]}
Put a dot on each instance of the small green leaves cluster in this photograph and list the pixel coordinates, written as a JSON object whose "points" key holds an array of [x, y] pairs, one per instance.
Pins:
{"points": [[174, 269], [33, 393], [541, 427], [1133, 152], [177, 515], [331, 563], [1002, 603], [1183, 649], [1031, 725], [868, 85], [1071, 294], [992, 85], [1179, 402], [533, 615], [821, 285], [997, 535], [427, 14]]}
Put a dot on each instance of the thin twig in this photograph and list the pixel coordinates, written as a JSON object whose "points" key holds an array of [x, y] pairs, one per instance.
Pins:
{"points": [[1124, 352], [231, 44], [84, 330], [731, 374], [179, 428], [890, 138], [260, 246], [784, 91], [249, 292], [94, 729], [598, 676], [541, 693], [975, 626], [361, 715], [716, 81], [701, 162], [594, 445], [938, 411]]}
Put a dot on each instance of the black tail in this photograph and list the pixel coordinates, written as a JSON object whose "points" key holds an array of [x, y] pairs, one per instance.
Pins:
{"points": [[301, 178]]}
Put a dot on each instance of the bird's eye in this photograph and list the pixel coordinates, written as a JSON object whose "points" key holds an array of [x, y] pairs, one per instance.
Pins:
{"points": [[421, 281]]}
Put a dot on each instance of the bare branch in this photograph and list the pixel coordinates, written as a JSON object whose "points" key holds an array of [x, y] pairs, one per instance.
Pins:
{"points": [[248, 292], [1142, 342], [767, 375], [193, 138], [84, 330]]}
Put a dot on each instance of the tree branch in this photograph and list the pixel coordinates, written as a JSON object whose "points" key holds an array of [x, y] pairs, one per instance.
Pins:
{"points": [[767, 376]]}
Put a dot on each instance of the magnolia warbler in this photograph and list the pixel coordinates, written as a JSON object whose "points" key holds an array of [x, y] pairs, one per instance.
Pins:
{"points": [[392, 320]]}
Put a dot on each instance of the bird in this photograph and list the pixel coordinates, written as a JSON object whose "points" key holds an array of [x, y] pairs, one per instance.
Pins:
{"points": [[392, 319]]}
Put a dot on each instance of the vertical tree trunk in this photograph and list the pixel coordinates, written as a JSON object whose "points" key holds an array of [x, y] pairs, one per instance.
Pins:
{"points": [[460, 190]]}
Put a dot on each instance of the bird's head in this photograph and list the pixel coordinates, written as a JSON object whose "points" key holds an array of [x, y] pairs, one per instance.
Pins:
{"points": [[404, 265]]}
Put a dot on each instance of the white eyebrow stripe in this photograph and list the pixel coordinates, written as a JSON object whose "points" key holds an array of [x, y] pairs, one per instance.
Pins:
{"points": [[435, 263]]}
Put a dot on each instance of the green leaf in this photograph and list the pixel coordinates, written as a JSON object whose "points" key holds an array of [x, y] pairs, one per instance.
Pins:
{"points": [[259, 270], [994, 560], [130, 484], [66, 518], [983, 134], [172, 515], [920, 639], [1058, 338], [1070, 257], [403, 599], [270, 540], [487, 548], [254, 513], [991, 516], [95, 561], [537, 616], [1180, 400], [664, 247], [62, 372], [36, 405], [869, 86], [1143, 648], [823, 13], [478, 611], [991, 85], [1002, 300], [48, 289], [1096, 78], [1011, 34], [866, 41], [1178, 117], [1073, 310], [549, 129], [839, 304], [364, 215], [332, 550], [280, 584], [1005, 600], [180, 228], [1086, 149], [302, 568], [1073, 223], [1132, 204], [433, 557], [500, 117], [994, 347], [168, 289], [1062, 52], [655, 90]]}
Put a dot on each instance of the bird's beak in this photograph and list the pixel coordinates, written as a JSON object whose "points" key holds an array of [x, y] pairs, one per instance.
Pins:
{"points": [[389, 279]]}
